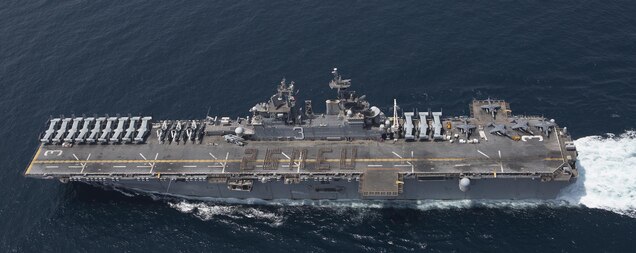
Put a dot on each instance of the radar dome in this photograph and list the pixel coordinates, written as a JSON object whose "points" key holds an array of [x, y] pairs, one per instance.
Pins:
{"points": [[464, 184]]}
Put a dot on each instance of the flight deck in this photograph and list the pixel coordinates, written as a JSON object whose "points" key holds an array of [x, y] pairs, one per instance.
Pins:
{"points": [[488, 156]]}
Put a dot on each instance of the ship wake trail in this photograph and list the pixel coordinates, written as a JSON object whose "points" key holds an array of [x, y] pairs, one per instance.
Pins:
{"points": [[207, 211], [607, 179]]}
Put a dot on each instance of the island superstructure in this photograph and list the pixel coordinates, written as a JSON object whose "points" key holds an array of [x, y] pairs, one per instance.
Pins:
{"points": [[284, 149]]}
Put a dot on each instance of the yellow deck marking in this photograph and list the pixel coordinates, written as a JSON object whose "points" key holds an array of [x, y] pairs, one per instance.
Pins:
{"points": [[440, 159], [34, 160], [259, 160]]}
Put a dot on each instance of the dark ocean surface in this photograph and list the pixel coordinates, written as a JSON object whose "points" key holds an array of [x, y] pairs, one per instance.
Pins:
{"points": [[574, 61]]}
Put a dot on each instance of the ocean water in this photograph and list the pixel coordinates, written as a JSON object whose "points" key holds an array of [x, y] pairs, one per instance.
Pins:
{"points": [[574, 61]]}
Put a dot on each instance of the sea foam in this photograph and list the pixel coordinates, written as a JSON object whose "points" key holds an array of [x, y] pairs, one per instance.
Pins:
{"points": [[208, 211], [607, 179]]}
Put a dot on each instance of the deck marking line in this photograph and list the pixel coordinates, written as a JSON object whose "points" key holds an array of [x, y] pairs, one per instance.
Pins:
{"points": [[559, 142], [261, 160], [84, 164], [34, 160], [482, 153], [225, 163], [152, 164], [412, 166], [212, 155], [300, 158], [500, 162], [442, 159]]}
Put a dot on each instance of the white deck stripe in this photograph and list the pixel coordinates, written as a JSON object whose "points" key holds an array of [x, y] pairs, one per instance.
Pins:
{"points": [[482, 153], [225, 163]]}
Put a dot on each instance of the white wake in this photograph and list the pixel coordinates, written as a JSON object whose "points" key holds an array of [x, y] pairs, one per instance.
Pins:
{"points": [[607, 168], [208, 211], [607, 180]]}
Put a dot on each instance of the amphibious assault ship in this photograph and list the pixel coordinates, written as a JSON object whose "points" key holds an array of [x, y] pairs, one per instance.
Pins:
{"points": [[284, 149]]}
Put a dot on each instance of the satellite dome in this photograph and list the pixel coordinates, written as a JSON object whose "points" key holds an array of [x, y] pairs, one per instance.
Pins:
{"points": [[239, 130], [464, 184]]}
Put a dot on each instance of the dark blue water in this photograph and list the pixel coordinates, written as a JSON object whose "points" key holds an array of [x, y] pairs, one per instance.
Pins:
{"points": [[574, 61]]}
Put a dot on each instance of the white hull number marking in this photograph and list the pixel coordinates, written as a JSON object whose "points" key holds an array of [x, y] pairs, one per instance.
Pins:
{"points": [[529, 137]]}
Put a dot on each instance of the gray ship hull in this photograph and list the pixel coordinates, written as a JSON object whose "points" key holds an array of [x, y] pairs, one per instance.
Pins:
{"points": [[496, 189]]}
